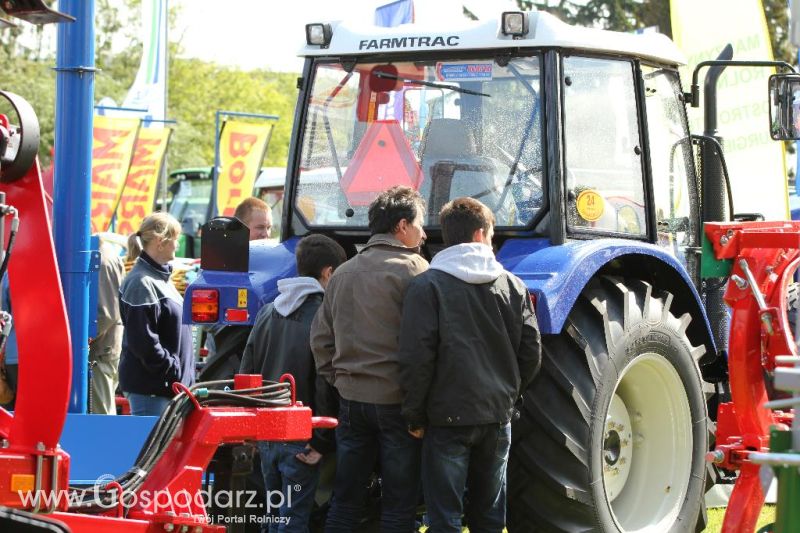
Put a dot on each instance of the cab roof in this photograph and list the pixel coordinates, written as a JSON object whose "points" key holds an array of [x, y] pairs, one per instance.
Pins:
{"points": [[545, 31]]}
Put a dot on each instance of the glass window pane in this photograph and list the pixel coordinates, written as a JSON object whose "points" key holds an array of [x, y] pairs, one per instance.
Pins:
{"points": [[448, 128], [605, 191], [670, 157]]}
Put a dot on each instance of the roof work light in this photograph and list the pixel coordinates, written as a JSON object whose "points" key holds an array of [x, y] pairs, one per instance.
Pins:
{"points": [[318, 34], [515, 24]]}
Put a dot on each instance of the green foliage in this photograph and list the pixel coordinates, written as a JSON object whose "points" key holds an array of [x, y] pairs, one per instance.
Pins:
{"points": [[618, 15], [777, 13], [198, 89]]}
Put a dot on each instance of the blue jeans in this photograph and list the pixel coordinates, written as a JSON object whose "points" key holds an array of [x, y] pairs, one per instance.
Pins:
{"points": [[367, 433], [146, 405], [290, 485], [471, 458]]}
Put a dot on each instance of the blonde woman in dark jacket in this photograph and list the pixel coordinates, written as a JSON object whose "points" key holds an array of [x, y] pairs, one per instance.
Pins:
{"points": [[156, 345]]}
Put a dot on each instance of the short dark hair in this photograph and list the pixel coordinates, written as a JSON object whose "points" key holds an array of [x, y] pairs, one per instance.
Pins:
{"points": [[461, 218], [316, 252], [247, 206], [392, 206]]}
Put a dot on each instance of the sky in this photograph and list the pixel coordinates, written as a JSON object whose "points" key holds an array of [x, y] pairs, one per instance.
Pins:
{"points": [[256, 34]]}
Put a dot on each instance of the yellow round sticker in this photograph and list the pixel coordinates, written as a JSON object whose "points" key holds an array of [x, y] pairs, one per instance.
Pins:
{"points": [[590, 205]]}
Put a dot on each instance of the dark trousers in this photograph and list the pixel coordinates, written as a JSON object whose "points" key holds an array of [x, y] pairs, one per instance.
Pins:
{"points": [[290, 487], [367, 433], [471, 459]]}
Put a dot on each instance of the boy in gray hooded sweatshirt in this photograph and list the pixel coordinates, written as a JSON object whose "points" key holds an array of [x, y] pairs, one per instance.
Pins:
{"points": [[280, 343], [469, 347]]}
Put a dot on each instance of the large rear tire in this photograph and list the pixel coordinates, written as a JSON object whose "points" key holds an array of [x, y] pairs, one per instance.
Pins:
{"points": [[613, 432]]}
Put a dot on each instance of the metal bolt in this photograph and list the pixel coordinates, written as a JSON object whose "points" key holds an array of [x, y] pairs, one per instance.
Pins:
{"points": [[723, 240], [624, 442], [767, 320], [4, 443], [40, 446], [622, 461], [169, 527], [185, 529], [740, 282], [198, 529]]}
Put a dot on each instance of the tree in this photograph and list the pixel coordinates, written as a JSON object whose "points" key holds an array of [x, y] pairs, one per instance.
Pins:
{"points": [[27, 64], [194, 104], [628, 15]]}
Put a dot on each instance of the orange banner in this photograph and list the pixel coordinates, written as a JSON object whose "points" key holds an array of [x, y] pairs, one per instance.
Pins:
{"points": [[112, 147], [139, 192], [242, 146]]}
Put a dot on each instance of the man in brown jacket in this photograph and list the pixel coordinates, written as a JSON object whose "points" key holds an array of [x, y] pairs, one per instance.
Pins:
{"points": [[354, 338], [105, 349]]}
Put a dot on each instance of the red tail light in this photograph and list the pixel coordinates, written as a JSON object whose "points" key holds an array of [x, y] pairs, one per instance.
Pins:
{"points": [[236, 315], [205, 305]]}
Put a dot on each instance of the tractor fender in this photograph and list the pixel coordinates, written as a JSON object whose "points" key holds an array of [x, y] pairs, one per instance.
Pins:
{"points": [[556, 275], [268, 264]]}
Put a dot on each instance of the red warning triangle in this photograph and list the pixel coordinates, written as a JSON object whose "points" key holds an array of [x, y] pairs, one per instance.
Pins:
{"points": [[383, 160]]}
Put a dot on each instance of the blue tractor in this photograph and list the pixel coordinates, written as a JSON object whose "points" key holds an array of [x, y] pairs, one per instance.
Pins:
{"points": [[578, 141]]}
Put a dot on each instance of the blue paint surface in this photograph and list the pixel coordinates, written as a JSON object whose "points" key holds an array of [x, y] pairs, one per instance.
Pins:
{"points": [[268, 264], [558, 274], [103, 445]]}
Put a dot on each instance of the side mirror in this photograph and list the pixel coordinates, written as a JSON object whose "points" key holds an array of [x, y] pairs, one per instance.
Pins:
{"points": [[784, 106]]}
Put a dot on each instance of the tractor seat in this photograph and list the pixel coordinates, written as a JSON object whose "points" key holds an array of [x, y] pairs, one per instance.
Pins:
{"points": [[453, 168]]}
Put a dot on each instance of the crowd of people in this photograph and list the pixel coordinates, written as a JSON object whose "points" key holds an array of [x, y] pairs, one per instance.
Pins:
{"points": [[426, 361], [421, 363]]}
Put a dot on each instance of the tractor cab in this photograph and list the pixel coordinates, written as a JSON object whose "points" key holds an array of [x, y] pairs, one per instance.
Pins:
{"points": [[543, 122]]}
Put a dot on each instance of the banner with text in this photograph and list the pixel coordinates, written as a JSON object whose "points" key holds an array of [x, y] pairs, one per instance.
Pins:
{"points": [[139, 192], [757, 164], [242, 146], [112, 148]]}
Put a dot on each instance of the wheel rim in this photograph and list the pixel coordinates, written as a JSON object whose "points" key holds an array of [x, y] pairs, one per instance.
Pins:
{"points": [[647, 445]]}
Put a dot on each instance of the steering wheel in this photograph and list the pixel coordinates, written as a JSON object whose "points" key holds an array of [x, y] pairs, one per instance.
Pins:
{"points": [[525, 185], [18, 144]]}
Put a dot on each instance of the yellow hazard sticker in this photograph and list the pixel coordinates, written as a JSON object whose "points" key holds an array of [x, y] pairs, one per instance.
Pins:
{"points": [[22, 482], [242, 298], [590, 205]]}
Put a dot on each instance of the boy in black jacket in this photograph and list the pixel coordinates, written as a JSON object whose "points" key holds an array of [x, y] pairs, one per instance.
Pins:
{"points": [[469, 347], [279, 344]]}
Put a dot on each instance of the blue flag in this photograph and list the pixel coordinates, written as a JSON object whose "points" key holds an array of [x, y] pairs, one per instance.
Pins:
{"points": [[395, 13]]}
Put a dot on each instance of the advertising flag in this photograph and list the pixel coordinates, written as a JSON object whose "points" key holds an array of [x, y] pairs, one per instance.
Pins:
{"points": [[395, 13], [242, 146], [112, 148], [149, 89], [139, 191], [757, 164]]}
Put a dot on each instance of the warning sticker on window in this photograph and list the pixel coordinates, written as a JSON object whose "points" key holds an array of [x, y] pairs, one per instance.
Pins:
{"points": [[464, 71], [590, 205]]}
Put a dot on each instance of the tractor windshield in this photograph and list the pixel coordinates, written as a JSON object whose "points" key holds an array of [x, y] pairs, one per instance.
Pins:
{"points": [[446, 128]]}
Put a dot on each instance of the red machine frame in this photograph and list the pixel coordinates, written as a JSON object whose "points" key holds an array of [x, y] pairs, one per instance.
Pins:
{"points": [[765, 257]]}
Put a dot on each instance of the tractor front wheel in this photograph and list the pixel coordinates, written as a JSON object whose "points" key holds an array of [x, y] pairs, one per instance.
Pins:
{"points": [[613, 432]]}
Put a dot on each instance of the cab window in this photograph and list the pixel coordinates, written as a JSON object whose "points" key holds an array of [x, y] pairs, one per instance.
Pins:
{"points": [[604, 186]]}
